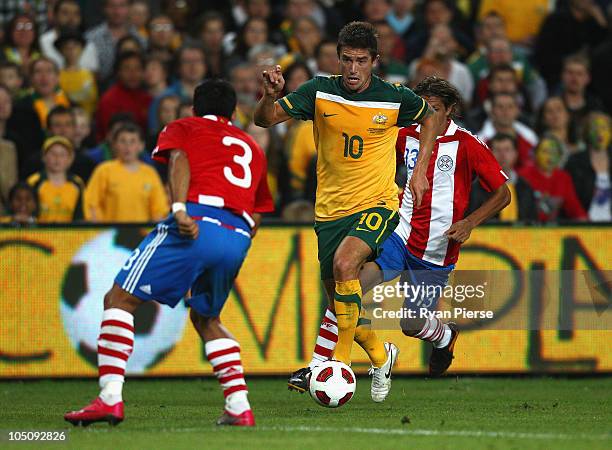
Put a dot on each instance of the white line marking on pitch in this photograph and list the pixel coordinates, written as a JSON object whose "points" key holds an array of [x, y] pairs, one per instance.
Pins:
{"points": [[423, 432], [397, 431]]}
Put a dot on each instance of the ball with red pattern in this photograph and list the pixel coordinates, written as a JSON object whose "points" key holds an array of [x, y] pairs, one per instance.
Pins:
{"points": [[332, 384]]}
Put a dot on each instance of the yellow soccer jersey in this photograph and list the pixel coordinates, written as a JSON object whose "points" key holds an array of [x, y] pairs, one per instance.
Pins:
{"points": [[116, 194], [355, 136]]}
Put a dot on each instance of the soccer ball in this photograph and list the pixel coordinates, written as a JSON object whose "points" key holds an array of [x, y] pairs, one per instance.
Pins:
{"points": [[332, 384], [90, 275]]}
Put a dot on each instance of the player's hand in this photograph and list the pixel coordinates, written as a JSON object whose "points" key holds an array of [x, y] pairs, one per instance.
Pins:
{"points": [[460, 231], [273, 81], [186, 225], [418, 187]]}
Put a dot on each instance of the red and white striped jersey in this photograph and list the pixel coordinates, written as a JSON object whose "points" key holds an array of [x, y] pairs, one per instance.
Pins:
{"points": [[457, 158], [228, 168]]}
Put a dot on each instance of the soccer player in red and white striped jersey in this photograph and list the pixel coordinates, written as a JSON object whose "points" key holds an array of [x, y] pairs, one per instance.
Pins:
{"points": [[425, 245], [217, 177]]}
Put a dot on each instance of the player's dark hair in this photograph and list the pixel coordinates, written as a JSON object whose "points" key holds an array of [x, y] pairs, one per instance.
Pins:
{"points": [[128, 127], [442, 89], [500, 137], [361, 35], [216, 97]]}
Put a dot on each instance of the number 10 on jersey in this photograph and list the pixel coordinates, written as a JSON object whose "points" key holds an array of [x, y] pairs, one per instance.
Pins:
{"points": [[349, 146]]}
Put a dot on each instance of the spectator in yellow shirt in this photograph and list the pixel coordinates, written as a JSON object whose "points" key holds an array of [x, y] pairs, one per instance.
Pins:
{"points": [[125, 189], [60, 193], [78, 83]]}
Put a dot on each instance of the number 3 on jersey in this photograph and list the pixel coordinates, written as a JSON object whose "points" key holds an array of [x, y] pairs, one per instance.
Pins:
{"points": [[242, 160], [128, 264]]}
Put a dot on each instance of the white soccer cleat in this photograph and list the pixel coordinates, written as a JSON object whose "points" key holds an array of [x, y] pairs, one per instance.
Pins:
{"points": [[381, 377]]}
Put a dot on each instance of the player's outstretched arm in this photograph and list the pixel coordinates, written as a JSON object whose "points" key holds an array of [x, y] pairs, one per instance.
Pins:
{"points": [[432, 122], [179, 176], [460, 231], [267, 111]]}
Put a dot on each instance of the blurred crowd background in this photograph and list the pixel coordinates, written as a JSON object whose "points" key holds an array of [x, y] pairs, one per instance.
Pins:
{"points": [[86, 86]]}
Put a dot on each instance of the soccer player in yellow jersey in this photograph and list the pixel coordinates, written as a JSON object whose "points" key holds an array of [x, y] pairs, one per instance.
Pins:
{"points": [[356, 116]]}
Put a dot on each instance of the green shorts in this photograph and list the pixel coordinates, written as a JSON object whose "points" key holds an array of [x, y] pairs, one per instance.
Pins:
{"points": [[371, 225]]}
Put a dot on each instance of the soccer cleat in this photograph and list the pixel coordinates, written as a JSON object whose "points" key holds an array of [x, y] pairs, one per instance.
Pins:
{"points": [[441, 358], [246, 419], [96, 411], [381, 376], [298, 380]]}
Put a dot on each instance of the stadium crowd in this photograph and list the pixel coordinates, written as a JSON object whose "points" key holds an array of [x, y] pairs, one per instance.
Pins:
{"points": [[86, 87]]}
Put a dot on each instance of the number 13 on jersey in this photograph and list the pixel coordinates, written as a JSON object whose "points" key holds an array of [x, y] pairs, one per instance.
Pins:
{"points": [[410, 157]]}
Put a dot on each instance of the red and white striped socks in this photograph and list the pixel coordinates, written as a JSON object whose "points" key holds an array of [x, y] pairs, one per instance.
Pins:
{"points": [[115, 345], [436, 332], [224, 355], [326, 340]]}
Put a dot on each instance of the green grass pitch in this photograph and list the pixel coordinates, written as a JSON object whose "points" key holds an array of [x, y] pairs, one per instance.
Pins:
{"points": [[451, 413]]}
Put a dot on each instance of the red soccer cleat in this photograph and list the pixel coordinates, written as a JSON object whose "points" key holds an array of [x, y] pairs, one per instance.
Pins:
{"points": [[96, 411], [246, 419]]}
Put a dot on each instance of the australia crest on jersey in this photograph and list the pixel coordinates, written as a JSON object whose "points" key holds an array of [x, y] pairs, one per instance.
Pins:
{"points": [[380, 119]]}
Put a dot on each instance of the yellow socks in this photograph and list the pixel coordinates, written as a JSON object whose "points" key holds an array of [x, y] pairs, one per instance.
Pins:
{"points": [[347, 302], [369, 341]]}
